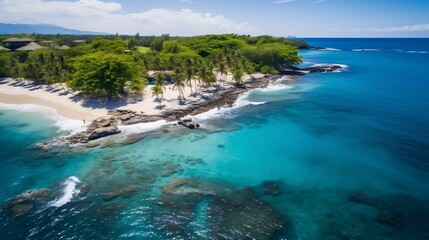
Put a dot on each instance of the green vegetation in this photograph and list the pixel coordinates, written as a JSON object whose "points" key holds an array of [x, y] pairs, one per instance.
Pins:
{"points": [[143, 49], [106, 74], [115, 65]]}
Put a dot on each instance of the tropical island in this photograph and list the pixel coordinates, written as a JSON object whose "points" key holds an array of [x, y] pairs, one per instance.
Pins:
{"points": [[137, 79]]}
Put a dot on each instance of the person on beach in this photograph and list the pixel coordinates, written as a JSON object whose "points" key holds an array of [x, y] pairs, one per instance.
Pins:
{"points": [[83, 121]]}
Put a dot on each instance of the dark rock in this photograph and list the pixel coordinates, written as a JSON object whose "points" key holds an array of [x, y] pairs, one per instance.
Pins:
{"points": [[194, 161], [390, 218], [220, 146], [20, 209], [129, 190], [362, 198], [43, 147], [123, 192], [24, 203], [323, 68], [84, 189], [113, 208], [111, 195], [235, 214], [103, 132], [240, 214], [29, 196], [168, 172], [188, 123], [272, 188]]}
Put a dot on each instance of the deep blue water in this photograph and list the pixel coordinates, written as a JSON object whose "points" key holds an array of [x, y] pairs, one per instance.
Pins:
{"points": [[346, 156]]}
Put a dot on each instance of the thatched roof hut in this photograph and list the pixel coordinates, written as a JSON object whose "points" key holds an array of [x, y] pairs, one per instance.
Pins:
{"points": [[30, 47], [14, 40], [15, 43], [4, 49], [78, 42], [63, 47]]}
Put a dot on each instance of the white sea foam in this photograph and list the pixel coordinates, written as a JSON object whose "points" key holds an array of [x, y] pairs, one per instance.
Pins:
{"points": [[68, 192], [226, 112], [273, 88], [143, 127], [330, 49], [343, 66], [366, 50], [62, 123], [420, 52], [330, 64], [242, 101]]}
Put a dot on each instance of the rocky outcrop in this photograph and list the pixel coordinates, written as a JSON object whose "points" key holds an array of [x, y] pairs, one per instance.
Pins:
{"points": [[103, 132], [98, 128], [229, 212], [188, 123], [398, 212], [24, 203], [124, 191], [323, 68], [272, 188]]}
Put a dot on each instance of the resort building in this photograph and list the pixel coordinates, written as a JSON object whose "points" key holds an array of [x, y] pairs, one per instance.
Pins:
{"points": [[63, 47], [4, 49], [15, 43], [78, 42], [30, 47]]}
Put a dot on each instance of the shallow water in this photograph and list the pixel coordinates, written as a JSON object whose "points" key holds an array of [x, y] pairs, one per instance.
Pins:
{"points": [[330, 156]]}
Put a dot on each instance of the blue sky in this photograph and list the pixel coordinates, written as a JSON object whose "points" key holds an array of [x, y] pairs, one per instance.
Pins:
{"points": [[302, 18]]}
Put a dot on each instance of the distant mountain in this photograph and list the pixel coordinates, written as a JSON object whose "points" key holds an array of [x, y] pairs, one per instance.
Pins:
{"points": [[8, 28]]}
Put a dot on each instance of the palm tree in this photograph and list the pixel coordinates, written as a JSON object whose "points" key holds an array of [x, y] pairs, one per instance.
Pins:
{"points": [[237, 74], [161, 80], [221, 69], [48, 66], [13, 69], [190, 71], [179, 81], [157, 90], [30, 72], [205, 73]]}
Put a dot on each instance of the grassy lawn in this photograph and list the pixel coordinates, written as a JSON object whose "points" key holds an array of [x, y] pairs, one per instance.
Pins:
{"points": [[143, 49]]}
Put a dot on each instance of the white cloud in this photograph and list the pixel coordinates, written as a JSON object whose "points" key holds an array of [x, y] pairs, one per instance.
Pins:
{"points": [[283, 1], [95, 15], [407, 28], [320, 1], [186, 1]]}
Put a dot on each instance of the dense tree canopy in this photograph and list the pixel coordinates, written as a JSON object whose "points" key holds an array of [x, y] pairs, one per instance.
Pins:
{"points": [[113, 65], [106, 74]]}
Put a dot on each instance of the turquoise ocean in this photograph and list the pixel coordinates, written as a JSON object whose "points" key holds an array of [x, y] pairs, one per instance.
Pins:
{"points": [[341, 155]]}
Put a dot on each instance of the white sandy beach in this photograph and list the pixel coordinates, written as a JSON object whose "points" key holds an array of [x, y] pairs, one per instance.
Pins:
{"points": [[69, 105]]}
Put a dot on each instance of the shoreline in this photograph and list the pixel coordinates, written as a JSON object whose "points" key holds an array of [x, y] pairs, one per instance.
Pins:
{"points": [[15, 93], [68, 107], [101, 117]]}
